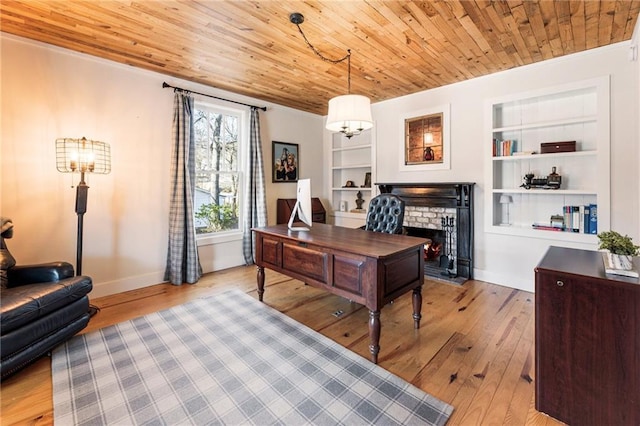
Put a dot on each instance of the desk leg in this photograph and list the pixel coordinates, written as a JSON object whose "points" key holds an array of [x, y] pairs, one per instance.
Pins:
{"points": [[260, 282], [417, 306], [374, 335]]}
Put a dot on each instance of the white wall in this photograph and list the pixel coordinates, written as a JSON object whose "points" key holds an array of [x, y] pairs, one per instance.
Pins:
{"points": [[510, 260], [49, 93]]}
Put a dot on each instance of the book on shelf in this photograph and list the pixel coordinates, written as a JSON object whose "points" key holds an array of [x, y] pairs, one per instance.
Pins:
{"points": [[547, 227], [504, 148], [579, 219], [593, 218], [582, 219], [619, 265]]}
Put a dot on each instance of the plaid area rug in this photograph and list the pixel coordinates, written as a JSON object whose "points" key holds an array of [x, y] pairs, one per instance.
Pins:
{"points": [[227, 359]]}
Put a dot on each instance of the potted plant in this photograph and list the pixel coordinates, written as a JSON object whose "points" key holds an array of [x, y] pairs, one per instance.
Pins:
{"points": [[618, 258]]}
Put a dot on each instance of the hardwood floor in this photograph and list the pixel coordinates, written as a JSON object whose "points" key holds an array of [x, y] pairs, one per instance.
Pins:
{"points": [[474, 350]]}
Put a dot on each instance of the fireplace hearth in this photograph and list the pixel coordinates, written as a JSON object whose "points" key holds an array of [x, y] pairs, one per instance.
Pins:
{"points": [[426, 207]]}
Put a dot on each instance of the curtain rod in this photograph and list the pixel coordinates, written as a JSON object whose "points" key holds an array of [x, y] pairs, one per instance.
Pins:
{"points": [[165, 85]]}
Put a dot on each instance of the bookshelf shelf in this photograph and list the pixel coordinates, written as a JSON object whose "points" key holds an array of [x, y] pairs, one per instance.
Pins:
{"points": [[351, 160], [578, 112], [536, 157]]}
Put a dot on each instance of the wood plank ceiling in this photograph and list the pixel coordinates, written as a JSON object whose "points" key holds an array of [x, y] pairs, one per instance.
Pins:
{"points": [[251, 48]]}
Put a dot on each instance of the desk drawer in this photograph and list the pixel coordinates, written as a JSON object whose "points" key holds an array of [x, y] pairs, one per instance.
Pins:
{"points": [[348, 272], [308, 262], [271, 251], [402, 271]]}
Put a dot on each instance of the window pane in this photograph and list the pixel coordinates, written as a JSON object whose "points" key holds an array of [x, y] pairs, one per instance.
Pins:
{"points": [[221, 214], [217, 175]]}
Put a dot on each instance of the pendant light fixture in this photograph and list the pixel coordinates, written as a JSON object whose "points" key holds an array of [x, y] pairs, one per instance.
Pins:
{"points": [[348, 114]]}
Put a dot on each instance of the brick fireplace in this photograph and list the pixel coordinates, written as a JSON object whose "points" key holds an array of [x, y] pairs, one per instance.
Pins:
{"points": [[426, 206]]}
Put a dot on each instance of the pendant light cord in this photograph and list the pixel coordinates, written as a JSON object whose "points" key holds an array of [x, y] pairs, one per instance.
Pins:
{"points": [[347, 57]]}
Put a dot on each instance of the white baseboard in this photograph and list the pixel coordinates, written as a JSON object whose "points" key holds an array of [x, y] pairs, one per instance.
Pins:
{"points": [[140, 281], [126, 284], [505, 281]]}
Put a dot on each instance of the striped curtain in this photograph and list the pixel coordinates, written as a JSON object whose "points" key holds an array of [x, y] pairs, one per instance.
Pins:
{"points": [[255, 206], [183, 264]]}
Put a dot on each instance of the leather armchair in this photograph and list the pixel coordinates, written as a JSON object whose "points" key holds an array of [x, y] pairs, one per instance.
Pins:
{"points": [[41, 306], [385, 214]]}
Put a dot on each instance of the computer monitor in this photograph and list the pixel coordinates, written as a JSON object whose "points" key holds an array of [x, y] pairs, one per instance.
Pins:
{"points": [[303, 206]]}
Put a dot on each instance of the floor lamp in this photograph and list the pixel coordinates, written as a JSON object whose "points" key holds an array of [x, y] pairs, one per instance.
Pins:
{"points": [[82, 156]]}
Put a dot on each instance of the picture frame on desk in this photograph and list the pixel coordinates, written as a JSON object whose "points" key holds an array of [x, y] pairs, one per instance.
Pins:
{"points": [[286, 162]]}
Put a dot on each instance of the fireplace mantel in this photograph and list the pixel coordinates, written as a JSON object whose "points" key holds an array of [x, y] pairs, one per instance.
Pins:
{"points": [[455, 194], [450, 194]]}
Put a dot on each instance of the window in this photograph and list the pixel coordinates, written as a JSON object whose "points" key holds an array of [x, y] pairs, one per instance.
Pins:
{"points": [[217, 139]]}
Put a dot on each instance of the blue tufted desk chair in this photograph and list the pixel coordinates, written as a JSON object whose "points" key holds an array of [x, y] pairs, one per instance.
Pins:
{"points": [[385, 214]]}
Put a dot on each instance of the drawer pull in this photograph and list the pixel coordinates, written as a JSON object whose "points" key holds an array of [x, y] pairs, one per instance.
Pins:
{"points": [[301, 244], [559, 283]]}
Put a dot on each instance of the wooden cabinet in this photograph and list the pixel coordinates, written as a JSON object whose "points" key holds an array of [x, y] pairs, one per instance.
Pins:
{"points": [[285, 207], [587, 340], [517, 125]]}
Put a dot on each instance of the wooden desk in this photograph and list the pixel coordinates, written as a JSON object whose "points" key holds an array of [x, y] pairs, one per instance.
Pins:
{"points": [[587, 340], [369, 268]]}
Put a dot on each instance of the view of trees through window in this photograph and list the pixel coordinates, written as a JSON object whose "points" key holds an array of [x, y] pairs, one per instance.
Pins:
{"points": [[217, 170]]}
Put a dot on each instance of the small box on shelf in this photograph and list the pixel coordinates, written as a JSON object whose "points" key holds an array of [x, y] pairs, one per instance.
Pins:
{"points": [[553, 147]]}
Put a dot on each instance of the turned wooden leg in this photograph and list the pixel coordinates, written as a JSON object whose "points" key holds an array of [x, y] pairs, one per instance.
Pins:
{"points": [[417, 306], [374, 335], [260, 282]]}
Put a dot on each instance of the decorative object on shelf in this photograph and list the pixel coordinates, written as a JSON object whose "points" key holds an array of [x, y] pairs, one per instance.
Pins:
{"points": [[618, 257], [552, 181], [557, 221], [359, 202], [82, 156], [343, 206], [349, 184], [505, 200], [286, 162], [367, 180], [348, 114], [554, 147]]}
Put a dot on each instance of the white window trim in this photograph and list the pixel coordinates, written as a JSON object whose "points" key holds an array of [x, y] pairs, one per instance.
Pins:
{"points": [[218, 237], [221, 237]]}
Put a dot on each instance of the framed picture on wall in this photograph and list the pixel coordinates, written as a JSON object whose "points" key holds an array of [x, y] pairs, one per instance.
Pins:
{"points": [[426, 142], [286, 163]]}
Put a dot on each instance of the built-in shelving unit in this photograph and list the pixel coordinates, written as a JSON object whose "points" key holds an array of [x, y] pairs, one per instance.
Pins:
{"points": [[574, 112], [351, 160]]}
